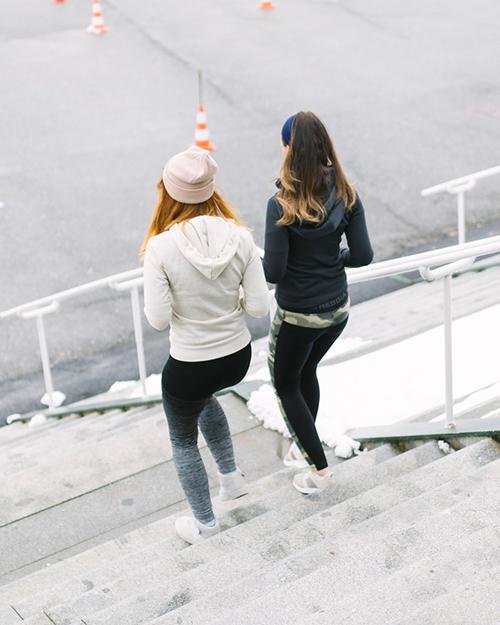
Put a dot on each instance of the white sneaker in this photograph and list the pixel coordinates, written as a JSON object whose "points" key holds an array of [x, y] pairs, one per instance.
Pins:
{"points": [[294, 458], [232, 485], [309, 482], [192, 531]]}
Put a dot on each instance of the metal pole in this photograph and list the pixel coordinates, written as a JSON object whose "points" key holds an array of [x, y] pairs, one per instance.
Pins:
{"points": [[461, 216], [44, 355], [139, 342], [200, 87], [448, 352]]}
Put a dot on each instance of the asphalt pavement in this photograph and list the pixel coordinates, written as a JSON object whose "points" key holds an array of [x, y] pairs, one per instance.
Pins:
{"points": [[409, 91]]}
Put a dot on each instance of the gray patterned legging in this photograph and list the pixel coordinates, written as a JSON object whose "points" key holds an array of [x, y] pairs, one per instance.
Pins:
{"points": [[187, 390], [184, 417]]}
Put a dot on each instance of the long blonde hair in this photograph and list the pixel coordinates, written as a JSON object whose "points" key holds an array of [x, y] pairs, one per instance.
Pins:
{"points": [[302, 176], [169, 212]]}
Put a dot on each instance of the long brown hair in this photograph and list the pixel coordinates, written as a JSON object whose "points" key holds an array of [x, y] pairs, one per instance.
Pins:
{"points": [[302, 176], [169, 212]]}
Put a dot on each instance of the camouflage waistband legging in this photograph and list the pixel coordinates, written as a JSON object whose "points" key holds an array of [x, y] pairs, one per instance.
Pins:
{"points": [[297, 343]]}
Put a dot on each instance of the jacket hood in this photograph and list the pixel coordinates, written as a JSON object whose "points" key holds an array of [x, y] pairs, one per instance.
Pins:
{"points": [[208, 243]]}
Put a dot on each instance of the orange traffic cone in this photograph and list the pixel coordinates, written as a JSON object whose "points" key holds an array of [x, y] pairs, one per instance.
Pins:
{"points": [[58, 1], [202, 135], [265, 6], [97, 26]]}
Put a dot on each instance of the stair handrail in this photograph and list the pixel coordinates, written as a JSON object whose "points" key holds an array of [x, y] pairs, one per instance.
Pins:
{"points": [[448, 260], [459, 187]]}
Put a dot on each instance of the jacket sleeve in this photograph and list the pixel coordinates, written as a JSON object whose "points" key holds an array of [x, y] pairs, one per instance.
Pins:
{"points": [[157, 307], [276, 245], [256, 297], [359, 251]]}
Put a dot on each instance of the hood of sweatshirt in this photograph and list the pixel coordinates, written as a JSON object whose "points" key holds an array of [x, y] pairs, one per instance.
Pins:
{"points": [[334, 211], [208, 243]]}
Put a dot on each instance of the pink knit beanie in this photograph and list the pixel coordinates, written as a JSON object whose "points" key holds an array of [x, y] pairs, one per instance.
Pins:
{"points": [[189, 176]]}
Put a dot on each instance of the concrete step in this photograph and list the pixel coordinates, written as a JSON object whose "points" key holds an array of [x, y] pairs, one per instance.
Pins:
{"points": [[393, 497], [139, 546], [106, 452], [248, 534], [370, 553], [421, 582], [111, 559], [474, 601], [68, 430], [146, 536], [8, 616], [115, 509], [16, 433]]}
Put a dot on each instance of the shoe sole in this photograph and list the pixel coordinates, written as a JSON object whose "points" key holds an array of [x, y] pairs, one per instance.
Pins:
{"points": [[306, 490], [233, 497]]}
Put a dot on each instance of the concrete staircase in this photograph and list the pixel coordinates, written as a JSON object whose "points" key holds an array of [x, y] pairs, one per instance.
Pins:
{"points": [[403, 537]]}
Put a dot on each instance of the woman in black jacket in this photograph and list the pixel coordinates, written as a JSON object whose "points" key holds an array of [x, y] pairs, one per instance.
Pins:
{"points": [[314, 206]]}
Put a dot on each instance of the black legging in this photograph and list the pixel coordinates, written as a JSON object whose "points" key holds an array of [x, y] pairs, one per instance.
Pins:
{"points": [[200, 379], [297, 354]]}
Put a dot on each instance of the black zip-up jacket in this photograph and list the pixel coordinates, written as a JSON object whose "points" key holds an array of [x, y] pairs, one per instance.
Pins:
{"points": [[306, 261]]}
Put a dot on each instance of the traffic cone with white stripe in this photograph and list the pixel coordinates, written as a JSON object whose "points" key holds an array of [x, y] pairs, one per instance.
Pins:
{"points": [[97, 26], [265, 6], [202, 135]]}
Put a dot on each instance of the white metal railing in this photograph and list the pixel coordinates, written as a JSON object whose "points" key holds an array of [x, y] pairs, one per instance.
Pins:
{"points": [[445, 261], [459, 187], [37, 309]]}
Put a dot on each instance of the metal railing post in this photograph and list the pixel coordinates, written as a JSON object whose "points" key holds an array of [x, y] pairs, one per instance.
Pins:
{"points": [[139, 339], [458, 187], [44, 355], [448, 351], [39, 314], [461, 216], [133, 286]]}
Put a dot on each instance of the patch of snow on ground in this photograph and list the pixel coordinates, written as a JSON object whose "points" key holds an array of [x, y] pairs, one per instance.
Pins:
{"points": [[122, 385], [400, 381], [264, 405], [57, 398], [475, 400], [36, 420], [133, 388], [260, 374]]}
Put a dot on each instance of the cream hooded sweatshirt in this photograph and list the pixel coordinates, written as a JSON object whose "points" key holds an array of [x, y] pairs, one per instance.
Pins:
{"points": [[199, 277]]}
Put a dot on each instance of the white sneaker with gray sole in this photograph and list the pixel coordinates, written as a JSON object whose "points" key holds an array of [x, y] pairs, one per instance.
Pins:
{"points": [[192, 531], [309, 482], [232, 485]]}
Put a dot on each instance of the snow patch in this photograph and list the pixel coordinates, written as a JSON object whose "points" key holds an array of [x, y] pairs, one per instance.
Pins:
{"points": [[445, 447], [57, 399], [133, 388], [264, 405], [36, 420], [398, 382], [122, 385], [346, 447], [475, 400]]}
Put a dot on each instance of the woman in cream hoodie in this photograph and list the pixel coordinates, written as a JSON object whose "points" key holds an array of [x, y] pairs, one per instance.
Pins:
{"points": [[201, 272]]}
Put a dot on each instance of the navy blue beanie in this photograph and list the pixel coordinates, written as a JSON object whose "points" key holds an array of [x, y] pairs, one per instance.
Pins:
{"points": [[286, 131]]}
